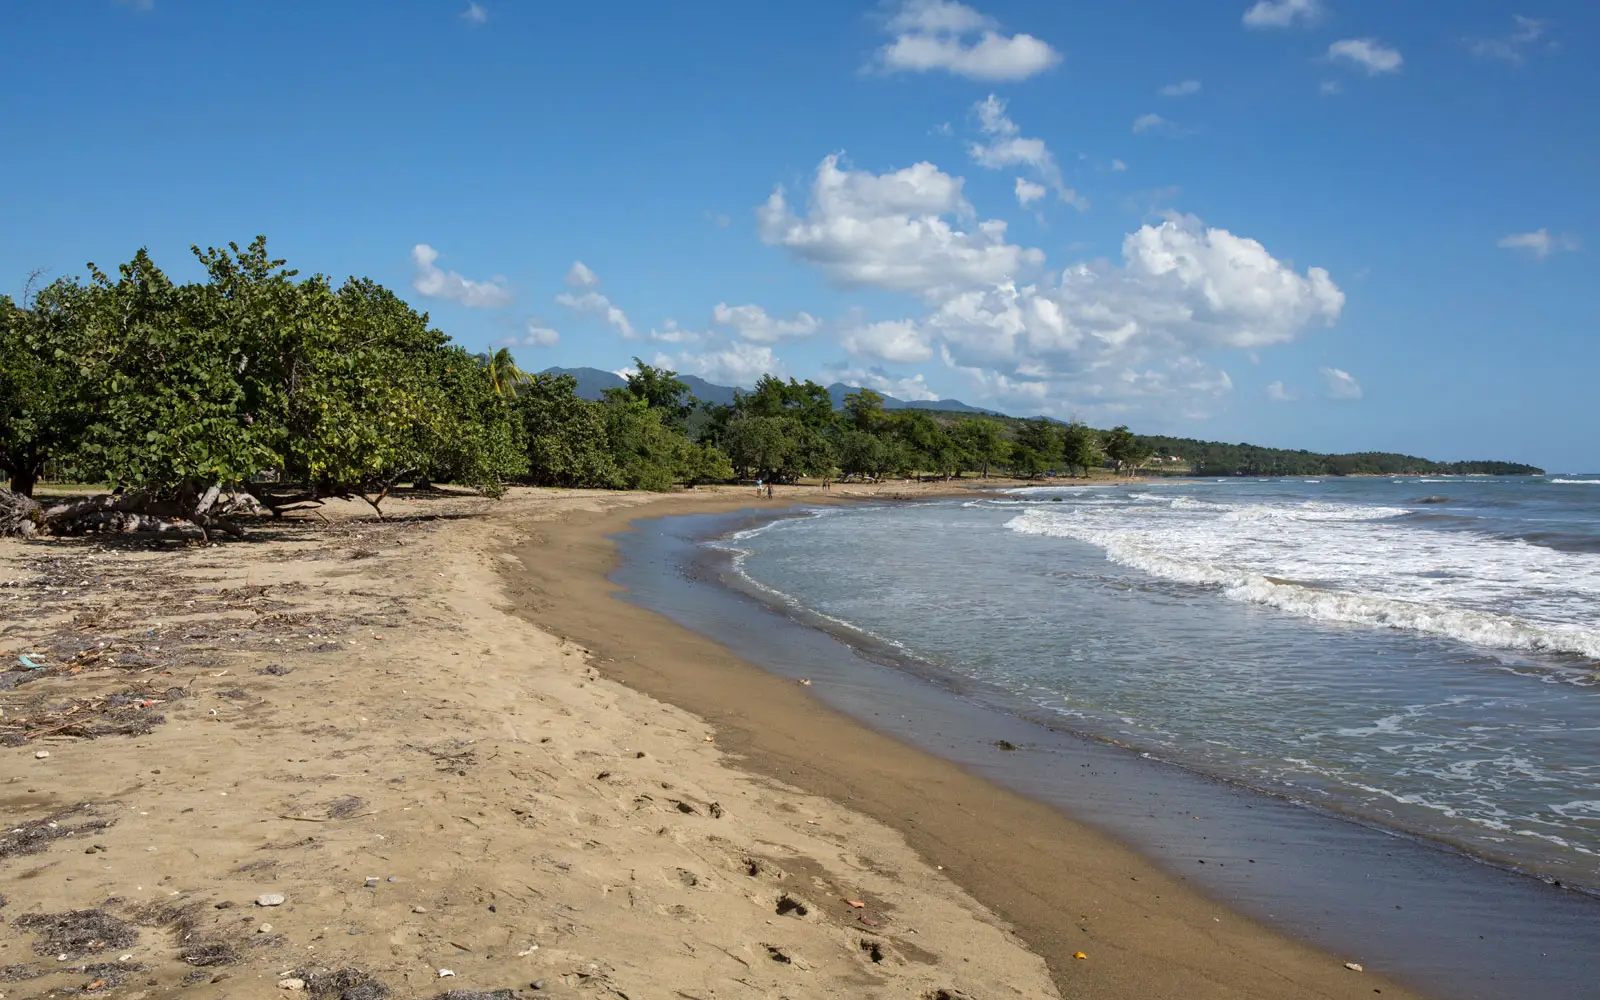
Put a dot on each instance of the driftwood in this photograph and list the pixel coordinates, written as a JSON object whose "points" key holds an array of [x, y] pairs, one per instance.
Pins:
{"points": [[188, 509]]}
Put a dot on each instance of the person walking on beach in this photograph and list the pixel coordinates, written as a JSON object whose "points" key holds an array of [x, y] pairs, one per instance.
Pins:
{"points": [[769, 491], [758, 487]]}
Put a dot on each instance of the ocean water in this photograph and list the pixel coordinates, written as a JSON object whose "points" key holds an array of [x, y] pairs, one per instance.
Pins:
{"points": [[1419, 654]]}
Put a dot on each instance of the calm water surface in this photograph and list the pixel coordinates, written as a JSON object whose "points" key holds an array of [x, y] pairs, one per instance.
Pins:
{"points": [[1419, 654]]}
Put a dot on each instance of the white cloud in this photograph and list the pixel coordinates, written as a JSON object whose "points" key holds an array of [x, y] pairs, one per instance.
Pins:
{"points": [[949, 36], [1282, 13], [579, 276], [475, 14], [1278, 393], [1006, 147], [736, 363], [1539, 243], [752, 323], [1184, 88], [534, 334], [912, 387], [1111, 333], [897, 341], [430, 281], [1368, 53], [1151, 123], [594, 302], [586, 300], [1118, 166], [1028, 191], [1510, 47], [890, 231], [672, 333], [1340, 384], [1330, 88]]}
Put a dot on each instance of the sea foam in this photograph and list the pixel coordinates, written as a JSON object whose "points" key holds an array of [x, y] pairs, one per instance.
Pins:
{"points": [[1351, 563]]}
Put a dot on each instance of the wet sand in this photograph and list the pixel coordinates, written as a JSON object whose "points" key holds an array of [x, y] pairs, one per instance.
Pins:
{"points": [[1065, 887]]}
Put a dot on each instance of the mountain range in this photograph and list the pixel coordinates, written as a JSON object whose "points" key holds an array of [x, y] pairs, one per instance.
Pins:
{"points": [[594, 381]]}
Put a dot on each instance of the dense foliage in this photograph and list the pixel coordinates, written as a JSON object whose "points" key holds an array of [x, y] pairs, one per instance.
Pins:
{"points": [[294, 390], [1213, 458]]}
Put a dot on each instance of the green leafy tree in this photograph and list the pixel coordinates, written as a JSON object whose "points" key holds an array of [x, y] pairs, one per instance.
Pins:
{"points": [[1125, 449], [659, 389], [1080, 447], [1035, 448], [48, 395], [504, 375], [982, 445], [565, 435]]}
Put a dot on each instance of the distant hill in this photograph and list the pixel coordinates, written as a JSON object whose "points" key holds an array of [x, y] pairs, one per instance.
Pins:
{"points": [[593, 381]]}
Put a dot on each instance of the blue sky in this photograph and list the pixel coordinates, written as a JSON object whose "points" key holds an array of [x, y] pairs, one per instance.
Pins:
{"points": [[1330, 224]]}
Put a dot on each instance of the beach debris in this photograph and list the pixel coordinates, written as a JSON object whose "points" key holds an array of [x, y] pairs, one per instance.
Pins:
{"points": [[29, 664], [529, 950], [777, 955], [1080, 955], [419, 909], [206, 953], [76, 933], [710, 739], [805, 681], [1005, 745], [264, 929], [446, 973], [537, 984], [856, 903], [1354, 967], [341, 984], [271, 899], [292, 983], [41, 754], [372, 882]]}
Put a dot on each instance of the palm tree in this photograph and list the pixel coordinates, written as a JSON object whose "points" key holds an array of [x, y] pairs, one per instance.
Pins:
{"points": [[504, 373]]}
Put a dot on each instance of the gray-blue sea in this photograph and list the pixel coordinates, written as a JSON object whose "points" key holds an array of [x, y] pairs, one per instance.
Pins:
{"points": [[1421, 654]]}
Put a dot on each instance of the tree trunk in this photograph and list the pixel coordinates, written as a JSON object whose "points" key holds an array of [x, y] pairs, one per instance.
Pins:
{"points": [[24, 480]]}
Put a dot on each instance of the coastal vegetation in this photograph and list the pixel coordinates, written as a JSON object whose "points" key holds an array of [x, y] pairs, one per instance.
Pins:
{"points": [[258, 388]]}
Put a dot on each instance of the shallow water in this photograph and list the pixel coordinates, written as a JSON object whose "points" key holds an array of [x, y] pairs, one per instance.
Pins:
{"points": [[1451, 926], [1419, 654]]}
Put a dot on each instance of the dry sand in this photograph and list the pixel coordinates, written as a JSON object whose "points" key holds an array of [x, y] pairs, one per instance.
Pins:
{"points": [[380, 723]]}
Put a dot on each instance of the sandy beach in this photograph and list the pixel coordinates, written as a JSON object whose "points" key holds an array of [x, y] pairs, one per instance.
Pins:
{"points": [[354, 759]]}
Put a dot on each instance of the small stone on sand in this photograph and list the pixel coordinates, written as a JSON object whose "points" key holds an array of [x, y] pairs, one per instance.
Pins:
{"points": [[270, 899], [291, 984]]}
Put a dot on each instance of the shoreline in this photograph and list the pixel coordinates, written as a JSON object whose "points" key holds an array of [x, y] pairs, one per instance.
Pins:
{"points": [[1063, 886]]}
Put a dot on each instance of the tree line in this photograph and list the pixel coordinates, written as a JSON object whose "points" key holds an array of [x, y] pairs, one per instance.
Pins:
{"points": [[292, 390], [258, 385], [1213, 458]]}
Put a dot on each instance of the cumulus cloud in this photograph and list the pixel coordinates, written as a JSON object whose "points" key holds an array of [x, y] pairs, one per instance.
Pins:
{"points": [[1510, 48], [1029, 192], [1151, 123], [579, 276], [944, 35], [1007, 147], [434, 283], [752, 323], [891, 231], [672, 333], [534, 334], [586, 299], [896, 341], [475, 14], [1540, 243], [1282, 13], [1340, 384], [1367, 53], [738, 363], [1107, 333], [1278, 393], [1184, 88]]}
